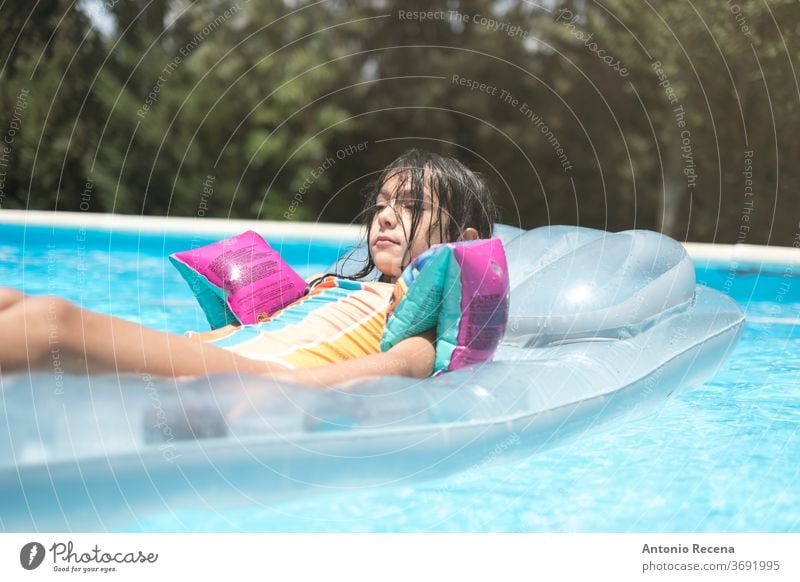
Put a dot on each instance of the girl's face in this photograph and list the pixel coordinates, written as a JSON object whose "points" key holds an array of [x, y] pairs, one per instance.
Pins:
{"points": [[389, 246]]}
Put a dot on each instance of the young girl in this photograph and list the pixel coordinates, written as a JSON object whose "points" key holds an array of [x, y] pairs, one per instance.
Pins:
{"points": [[420, 199]]}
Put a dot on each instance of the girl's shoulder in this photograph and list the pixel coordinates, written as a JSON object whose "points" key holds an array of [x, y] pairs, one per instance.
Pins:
{"points": [[310, 280]]}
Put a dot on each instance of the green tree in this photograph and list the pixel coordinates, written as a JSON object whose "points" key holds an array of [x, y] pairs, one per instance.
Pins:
{"points": [[49, 51], [577, 112]]}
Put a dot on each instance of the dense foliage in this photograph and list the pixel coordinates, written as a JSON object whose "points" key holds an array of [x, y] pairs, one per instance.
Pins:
{"points": [[674, 116]]}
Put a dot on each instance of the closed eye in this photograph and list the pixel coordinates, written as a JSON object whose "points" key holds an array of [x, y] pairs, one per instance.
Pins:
{"points": [[404, 203]]}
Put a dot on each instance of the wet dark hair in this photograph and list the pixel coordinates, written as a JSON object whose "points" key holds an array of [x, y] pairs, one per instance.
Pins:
{"points": [[464, 199]]}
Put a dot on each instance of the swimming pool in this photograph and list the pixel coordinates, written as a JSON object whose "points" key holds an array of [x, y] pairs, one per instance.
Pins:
{"points": [[720, 457]]}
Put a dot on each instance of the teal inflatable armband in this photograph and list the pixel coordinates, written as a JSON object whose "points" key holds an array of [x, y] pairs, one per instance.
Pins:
{"points": [[461, 289]]}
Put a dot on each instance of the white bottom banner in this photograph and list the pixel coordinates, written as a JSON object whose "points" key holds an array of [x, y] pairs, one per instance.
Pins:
{"points": [[401, 557]]}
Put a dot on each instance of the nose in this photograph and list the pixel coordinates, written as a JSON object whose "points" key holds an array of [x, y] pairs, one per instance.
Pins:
{"points": [[387, 216]]}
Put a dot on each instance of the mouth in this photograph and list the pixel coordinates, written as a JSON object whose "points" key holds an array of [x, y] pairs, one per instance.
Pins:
{"points": [[385, 241]]}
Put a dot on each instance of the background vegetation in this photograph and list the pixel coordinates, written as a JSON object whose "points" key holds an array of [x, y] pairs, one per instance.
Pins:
{"points": [[659, 109]]}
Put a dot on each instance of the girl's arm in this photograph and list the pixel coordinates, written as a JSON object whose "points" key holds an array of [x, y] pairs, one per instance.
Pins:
{"points": [[44, 333], [412, 357]]}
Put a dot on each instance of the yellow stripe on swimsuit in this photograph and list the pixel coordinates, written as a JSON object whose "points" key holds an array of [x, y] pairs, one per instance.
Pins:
{"points": [[337, 320]]}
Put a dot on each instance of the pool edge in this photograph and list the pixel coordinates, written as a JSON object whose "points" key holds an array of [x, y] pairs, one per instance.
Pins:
{"points": [[712, 253], [179, 224]]}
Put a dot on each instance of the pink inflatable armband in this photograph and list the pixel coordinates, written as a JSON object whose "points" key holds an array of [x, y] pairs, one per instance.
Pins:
{"points": [[240, 279], [462, 290]]}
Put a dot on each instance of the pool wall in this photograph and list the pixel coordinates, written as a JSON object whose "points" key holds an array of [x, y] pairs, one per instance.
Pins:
{"points": [[704, 255], [182, 225]]}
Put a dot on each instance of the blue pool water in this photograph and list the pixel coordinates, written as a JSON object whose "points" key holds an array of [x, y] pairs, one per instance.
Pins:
{"points": [[720, 457]]}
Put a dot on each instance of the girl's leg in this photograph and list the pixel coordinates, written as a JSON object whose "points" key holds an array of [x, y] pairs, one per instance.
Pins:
{"points": [[36, 332], [10, 296]]}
